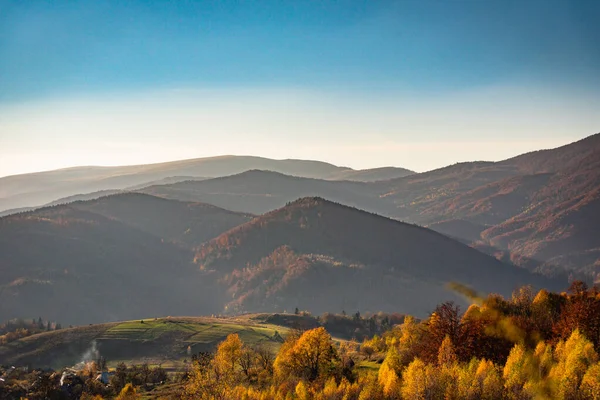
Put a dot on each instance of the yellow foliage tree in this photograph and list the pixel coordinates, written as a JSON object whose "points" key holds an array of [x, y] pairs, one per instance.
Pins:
{"points": [[489, 380], [310, 357], [370, 389], [228, 354], [205, 383], [573, 357], [590, 384], [347, 390], [466, 386], [330, 391], [421, 381], [518, 372], [446, 353], [389, 381], [302, 391], [281, 365], [128, 393]]}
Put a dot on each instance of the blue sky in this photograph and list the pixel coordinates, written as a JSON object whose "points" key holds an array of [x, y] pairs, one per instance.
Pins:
{"points": [[361, 84]]}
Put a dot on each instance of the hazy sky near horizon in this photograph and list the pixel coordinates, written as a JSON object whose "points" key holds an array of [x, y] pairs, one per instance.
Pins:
{"points": [[417, 84]]}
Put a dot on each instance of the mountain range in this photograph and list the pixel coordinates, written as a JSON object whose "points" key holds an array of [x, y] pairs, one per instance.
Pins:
{"points": [[41, 188], [538, 210], [129, 255], [179, 238]]}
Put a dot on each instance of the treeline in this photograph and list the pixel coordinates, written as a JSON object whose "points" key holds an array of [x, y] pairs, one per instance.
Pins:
{"points": [[355, 326], [531, 346], [18, 328]]}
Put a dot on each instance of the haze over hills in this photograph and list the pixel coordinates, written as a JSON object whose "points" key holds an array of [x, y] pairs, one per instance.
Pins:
{"points": [[543, 216], [36, 189], [530, 195], [258, 192], [102, 193], [539, 211], [129, 255], [220, 200], [319, 255], [372, 174], [103, 260]]}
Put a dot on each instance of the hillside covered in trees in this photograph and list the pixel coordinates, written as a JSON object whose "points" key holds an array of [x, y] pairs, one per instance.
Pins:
{"points": [[538, 210], [132, 254], [114, 258], [320, 255], [531, 345]]}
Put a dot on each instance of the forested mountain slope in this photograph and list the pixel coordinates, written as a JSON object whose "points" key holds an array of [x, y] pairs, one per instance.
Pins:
{"points": [[317, 254], [121, 256]]}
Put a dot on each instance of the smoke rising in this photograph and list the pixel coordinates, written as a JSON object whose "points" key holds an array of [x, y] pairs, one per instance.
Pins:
{"points": [[91, 354]]}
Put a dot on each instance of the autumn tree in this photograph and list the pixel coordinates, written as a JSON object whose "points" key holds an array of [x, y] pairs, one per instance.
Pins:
{"points": [[590, 384], [205, 382], [302, 391], [215, 378], [444, 322], [309, 357], [545, 311], [519, 372], [264, 359], [573, 357], [367, 349], [421, 381], [408, 340], [488, 380], [388, 375], [228, 354], [581, 311], [128, 393], [446, 353]]}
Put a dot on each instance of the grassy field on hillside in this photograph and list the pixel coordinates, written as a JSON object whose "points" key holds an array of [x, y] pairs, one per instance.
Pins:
{"points": [[160, 341]]}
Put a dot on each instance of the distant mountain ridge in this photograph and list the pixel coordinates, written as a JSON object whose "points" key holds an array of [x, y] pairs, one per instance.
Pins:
{"points": [[544, 214], [36, 189], [373, 174], [513, 208], [257, 191], [538, 210]]}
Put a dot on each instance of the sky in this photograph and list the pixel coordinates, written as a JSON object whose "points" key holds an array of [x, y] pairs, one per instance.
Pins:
{"points": [[417, 84]]}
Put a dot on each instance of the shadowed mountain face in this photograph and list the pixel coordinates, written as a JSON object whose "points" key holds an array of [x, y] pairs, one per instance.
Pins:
{"points": [[132, 255], [546, 219], [118, 257], [258, 192], [494, 190], [36, 189], [536, 209], [184, 223], [317, 254]]}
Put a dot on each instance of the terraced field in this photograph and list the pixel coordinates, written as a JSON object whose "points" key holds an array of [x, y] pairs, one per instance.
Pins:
{"points": [[166, 341]]}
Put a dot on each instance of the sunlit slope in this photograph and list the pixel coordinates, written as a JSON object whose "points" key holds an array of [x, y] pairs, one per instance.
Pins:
{"points": [[157, 341]]}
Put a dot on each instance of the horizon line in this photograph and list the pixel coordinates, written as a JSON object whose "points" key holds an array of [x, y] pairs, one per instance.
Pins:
{"points": [[275, 159]]}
